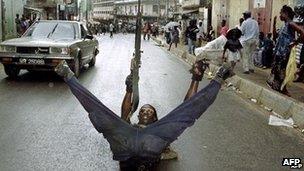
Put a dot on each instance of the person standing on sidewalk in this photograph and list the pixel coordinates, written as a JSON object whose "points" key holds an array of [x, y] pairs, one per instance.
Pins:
{"points": [[191, 32], [224, 28], [18, 25], [299, 19], [282, 49], [111, 29], [200, 34], [250, 31], [174, 37]]}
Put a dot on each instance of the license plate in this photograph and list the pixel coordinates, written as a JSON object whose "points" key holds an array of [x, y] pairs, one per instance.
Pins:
{"points": [[32, 61]]}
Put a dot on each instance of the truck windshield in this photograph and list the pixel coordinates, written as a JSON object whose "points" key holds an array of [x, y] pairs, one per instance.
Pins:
{"points": [[52, 30]]}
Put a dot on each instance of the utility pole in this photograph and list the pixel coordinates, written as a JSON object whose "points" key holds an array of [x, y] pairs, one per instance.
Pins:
{"points": [[3, 20], [158, 11], [167, 10]]}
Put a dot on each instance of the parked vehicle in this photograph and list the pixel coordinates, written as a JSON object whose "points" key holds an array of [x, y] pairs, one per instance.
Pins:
{"points": [[45, 44]]}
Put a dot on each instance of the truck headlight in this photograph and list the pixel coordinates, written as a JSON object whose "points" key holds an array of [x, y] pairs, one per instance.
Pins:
{"points": [[62, 51], [4, 48]]}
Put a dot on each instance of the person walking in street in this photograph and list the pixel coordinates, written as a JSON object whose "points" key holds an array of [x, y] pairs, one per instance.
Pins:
{"points": [[282, 48], [111, 29], [191, 32], [174, 37], [249, 40], [147, 30]]}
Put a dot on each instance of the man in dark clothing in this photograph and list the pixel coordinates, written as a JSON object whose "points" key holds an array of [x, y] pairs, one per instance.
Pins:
{"points": [[18, 25], [267, 52], [191, 32], [140, 148]]}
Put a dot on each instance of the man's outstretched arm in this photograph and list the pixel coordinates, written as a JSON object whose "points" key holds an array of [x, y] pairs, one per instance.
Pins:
{"points": [[126, 106]]}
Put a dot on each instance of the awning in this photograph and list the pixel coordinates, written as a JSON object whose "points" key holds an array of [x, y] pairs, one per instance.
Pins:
{"points": [[190, 11]]}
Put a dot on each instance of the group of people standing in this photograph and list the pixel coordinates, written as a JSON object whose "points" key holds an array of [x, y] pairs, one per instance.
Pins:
{"points": [[282, 51], [22, 24], [276, 56], [289, 37]]}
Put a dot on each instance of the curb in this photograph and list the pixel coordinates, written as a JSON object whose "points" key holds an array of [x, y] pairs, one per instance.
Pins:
{"points": [[281, 105]]}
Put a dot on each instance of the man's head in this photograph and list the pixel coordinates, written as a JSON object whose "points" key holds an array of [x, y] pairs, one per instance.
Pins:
{"points": [[247, 14], [269, 35], [262, 35], [223, 23], [241, 20], [200, 24], [286, 13], [17, 15], [192, 23], [147, 115]]}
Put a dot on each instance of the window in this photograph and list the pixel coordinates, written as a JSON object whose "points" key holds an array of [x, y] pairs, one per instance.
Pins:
{"points": [[52, 30], [155, 8]]}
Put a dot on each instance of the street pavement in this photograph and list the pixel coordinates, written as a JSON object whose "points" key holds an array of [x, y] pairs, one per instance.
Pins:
{"points": [[43, 127]]}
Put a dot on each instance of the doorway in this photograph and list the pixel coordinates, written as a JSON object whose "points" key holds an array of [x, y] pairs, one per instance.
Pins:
{"points": [[262, 13]]}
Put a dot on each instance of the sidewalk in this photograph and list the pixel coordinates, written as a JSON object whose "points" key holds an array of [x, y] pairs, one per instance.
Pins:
{"points": [[254, 86]]}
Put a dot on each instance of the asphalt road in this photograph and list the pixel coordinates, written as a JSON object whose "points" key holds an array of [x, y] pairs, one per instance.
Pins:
{"points": [[43, 127]]}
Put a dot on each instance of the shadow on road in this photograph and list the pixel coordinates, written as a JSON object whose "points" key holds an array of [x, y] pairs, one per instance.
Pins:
{"points": [[46, 76]]}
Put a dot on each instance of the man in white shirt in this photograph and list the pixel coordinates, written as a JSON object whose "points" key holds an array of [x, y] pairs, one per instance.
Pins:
{"points": [[200, 33], [249, 40]]}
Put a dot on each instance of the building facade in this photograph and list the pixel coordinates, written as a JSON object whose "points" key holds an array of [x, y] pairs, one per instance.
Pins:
{"points": [[262, 10], [53, 9], [152, 10], [103, 10], [43, 9], [199, 10], [9, 9]]}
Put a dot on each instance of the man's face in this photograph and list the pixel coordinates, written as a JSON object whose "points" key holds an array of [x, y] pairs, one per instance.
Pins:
{"points": [[283, 16], [147, 115]]}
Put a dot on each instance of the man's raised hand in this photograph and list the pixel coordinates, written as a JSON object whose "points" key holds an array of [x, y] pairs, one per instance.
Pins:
{"points": [[129, 83]]}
